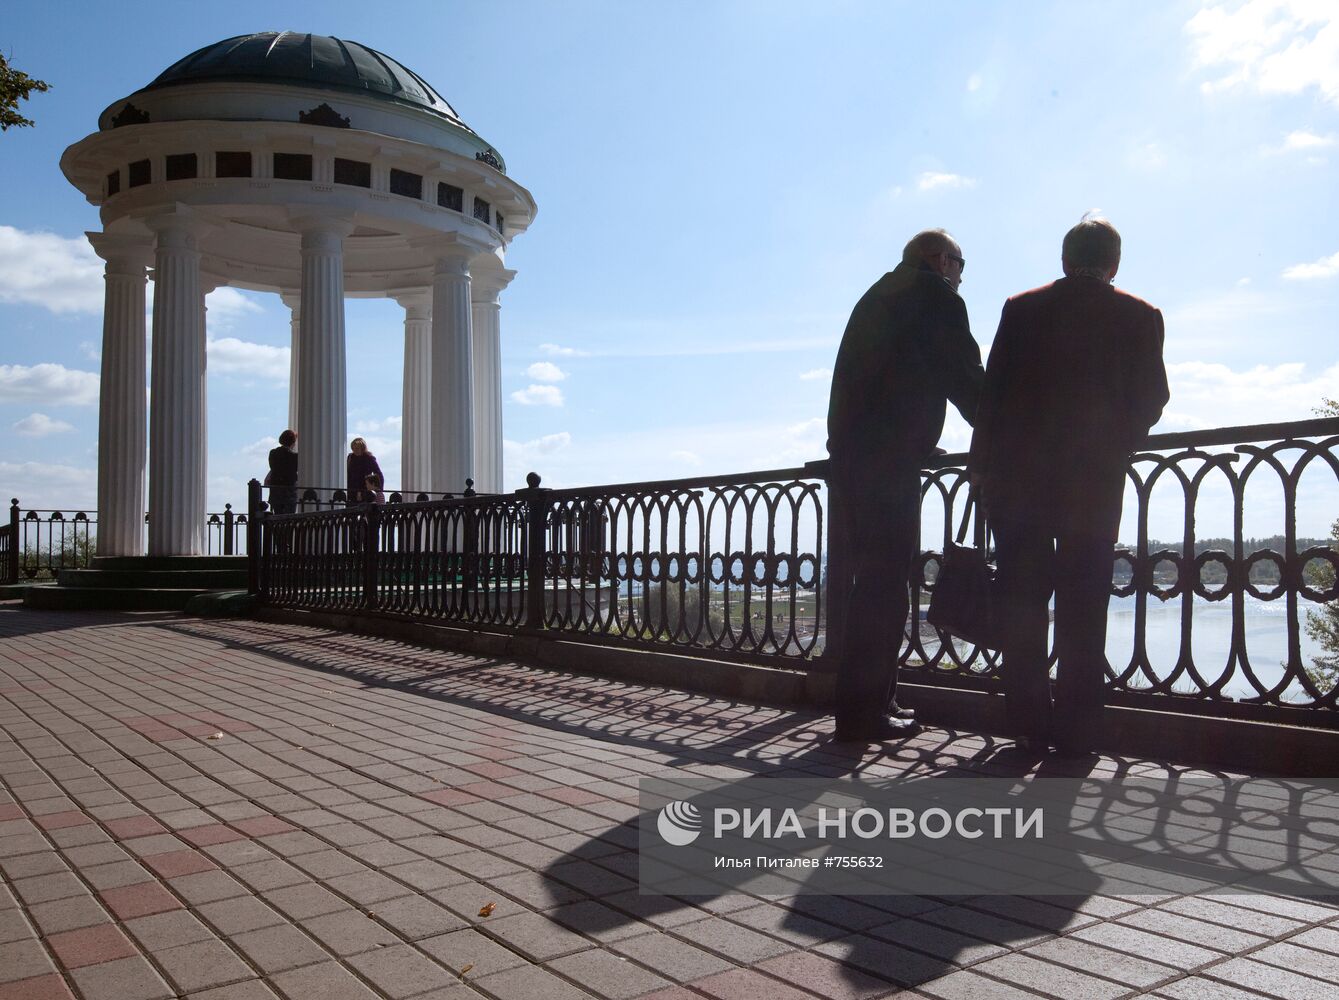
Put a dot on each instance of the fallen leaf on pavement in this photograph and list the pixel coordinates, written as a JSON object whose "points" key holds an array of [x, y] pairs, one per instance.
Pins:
{"points": [[487, 908], [466, 968], [216, 736]]}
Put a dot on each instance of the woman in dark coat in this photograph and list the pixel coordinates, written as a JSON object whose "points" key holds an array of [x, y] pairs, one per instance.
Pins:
{"points": [[283, 477], [360, 464]]}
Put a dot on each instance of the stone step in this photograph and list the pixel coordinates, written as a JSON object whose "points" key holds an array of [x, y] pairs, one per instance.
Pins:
{"points": [[110, 598], [170, 563], [191, 578]]}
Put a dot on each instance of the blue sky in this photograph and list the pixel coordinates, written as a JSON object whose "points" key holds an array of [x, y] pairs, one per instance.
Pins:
{"points": [[717, 184]]}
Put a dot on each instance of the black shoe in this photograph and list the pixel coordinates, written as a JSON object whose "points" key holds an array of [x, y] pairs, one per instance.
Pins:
{"points": [[898, 712], [886, 728]]}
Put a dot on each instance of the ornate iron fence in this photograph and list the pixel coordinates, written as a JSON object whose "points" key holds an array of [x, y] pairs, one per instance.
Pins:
{"points": [[733, 567], [37, 544], [44, 542]]}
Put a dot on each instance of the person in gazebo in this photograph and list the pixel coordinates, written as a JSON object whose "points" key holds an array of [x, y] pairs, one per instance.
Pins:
{"points": [[360, 464]]}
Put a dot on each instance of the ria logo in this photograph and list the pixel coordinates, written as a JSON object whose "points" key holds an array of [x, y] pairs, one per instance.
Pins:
{"points": [[679, 823]]}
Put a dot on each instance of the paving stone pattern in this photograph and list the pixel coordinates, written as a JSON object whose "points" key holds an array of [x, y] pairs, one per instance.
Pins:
{"points": [[239, 811]]}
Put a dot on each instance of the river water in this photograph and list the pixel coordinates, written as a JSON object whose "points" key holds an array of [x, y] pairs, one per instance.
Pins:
{"points": [[1211, 640]]}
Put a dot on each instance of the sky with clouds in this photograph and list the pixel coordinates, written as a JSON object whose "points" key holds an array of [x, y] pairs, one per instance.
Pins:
{"points": [[717, 184]]}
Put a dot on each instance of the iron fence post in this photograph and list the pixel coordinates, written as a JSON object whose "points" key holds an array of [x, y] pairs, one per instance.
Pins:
{"points": [[371, 537], [227, 529], [12, 556], [536, 555], [834, 584], [253, 546]]}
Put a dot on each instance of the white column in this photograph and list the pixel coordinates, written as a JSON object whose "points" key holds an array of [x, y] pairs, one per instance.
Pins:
{"points": [[452, 434], [294, 302], [487, 336], [416, 402], [177, 435], [122, 440], [322, 374]]}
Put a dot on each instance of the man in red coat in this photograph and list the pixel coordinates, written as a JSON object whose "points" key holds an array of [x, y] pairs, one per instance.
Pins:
{"points": [[1074, 381], [906, 352]]}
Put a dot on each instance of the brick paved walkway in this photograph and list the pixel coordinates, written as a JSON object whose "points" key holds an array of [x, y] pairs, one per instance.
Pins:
{"points": [[235, 811]]}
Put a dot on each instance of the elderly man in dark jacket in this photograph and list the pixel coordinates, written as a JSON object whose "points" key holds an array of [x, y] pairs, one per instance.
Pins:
{"points": [[906, 351], [1075, 381]]}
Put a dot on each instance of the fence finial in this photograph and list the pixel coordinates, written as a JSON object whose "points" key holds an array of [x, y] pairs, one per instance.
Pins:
{"points": [[532, 480]]}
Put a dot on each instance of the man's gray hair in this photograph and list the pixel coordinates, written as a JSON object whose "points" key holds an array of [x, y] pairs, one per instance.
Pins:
{"points": [[1093, 243], [927, 243]]}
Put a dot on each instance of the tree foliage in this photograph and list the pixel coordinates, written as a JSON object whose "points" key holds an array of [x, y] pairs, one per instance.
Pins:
{"points": [[15, 86], [1322, 625]]}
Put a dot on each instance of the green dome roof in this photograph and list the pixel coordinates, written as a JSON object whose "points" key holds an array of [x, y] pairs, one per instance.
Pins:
{"points": [[308, 61]]}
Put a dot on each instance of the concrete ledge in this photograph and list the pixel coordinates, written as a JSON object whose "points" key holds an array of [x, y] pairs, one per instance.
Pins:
{"points": [[738, 681], [1228, 744], [15, 591], [108, 598]]}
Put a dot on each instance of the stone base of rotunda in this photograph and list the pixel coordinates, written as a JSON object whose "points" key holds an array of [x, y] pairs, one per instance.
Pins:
{"points": [[140, 583]]}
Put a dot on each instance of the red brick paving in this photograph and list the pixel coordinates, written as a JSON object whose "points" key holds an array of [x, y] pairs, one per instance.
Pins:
{"points": [[134, 826], [61, 820], [51, 987], [90, 946], [176, 863], [263, 826], [140, 900], [367, 797], [214, 833]]}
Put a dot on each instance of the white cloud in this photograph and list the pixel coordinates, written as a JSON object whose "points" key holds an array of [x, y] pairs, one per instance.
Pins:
{"points": [[520, 457], [54, 385], [230, 356], [816, 375], [390, 425], [1325, 267], [45, 486], [539, 395], [554, 351], [90, 350], [40, 425], [65, 275], [43, 269], [227, 306], [259, 449], [545, 371], [974, 83], [931, 180], [1273, 46], [1206, 394], [1302, 139], [685, 458]]}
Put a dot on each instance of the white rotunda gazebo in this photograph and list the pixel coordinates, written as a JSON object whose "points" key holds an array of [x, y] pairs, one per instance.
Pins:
{"points": [[316, 168]]}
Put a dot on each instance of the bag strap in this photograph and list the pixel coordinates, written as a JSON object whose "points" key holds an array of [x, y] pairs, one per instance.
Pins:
{"points": [[966, 516]]}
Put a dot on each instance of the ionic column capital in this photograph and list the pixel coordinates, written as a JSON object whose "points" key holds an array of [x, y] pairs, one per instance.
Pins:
{"points": [[452, 247], [450, 264], [322, 230], [178, 230], [416, 303], [125, 255], [486, 286]]}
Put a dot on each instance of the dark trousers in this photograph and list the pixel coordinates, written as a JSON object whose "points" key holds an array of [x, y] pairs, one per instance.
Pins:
{"points": [[875, 520], [1033, 564], [283, 499]]}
